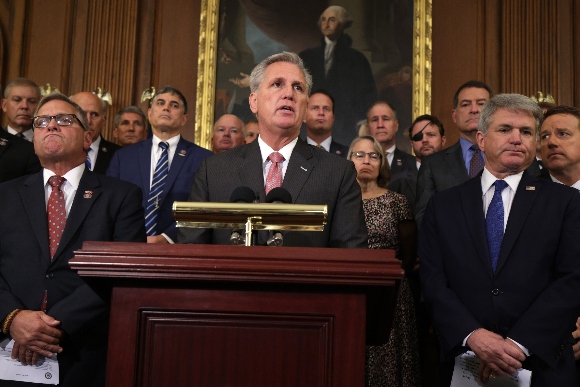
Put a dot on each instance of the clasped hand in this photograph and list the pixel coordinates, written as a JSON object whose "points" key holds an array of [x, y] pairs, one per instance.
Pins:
{"points": [[497, 355], [35, 333]]}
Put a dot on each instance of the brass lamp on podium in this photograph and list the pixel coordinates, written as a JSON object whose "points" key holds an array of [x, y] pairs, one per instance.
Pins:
{"points": [[250, 216]]}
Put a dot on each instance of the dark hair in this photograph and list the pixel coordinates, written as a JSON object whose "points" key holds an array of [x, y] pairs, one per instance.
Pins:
{"points": [[326, 93], [562, 109], [432, 119], [130, 109], [173, 91], [469, 84], [383, 103]]}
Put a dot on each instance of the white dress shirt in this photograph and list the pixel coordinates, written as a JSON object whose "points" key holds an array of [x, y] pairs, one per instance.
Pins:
{"points": [[266, 150], [69, 187]]}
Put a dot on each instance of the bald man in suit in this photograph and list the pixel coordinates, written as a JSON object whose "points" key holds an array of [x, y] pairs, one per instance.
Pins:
{"points": [[279, 94]]}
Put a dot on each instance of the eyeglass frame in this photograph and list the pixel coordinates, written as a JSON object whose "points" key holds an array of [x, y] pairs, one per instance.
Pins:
{"points": [[353, 154], [55, 119]]}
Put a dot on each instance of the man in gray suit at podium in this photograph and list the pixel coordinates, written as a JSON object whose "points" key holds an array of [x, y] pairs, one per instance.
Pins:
{"points": [[280, 86]]}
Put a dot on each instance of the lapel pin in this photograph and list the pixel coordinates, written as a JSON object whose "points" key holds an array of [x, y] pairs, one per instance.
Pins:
{"points": [[530, 188], [399, 162], [338, 152], [104, 149], [88, 194], [182, 152], [304, 169], [2, 142]]}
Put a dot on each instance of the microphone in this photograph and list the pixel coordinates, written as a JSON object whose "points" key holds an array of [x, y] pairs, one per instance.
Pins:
{"points": [[241, 195], [277, 195]]}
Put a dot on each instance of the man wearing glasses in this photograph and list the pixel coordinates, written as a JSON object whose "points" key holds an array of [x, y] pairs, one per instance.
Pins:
{"points": [[45, 307]]}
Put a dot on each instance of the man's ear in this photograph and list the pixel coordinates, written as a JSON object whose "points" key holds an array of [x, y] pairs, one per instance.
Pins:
{"points": [[253, 99]]}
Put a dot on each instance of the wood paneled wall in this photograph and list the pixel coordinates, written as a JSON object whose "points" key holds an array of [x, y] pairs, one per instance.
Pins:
{"points": [[126, 46], [516, 46], [122, 46]]}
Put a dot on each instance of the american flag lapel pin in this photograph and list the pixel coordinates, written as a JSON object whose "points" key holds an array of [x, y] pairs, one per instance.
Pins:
{"points": [[399, 162], [182, 152], [530, 188], [88, 194]]}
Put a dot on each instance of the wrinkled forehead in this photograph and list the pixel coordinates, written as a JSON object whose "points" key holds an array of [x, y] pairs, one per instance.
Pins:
{"points": [[130, 116], [169, 97], [23, 91]]}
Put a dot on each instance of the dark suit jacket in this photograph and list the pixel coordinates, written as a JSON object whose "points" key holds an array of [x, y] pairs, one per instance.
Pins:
{"points": [[17, 157], [338, 149], [350, 81], [532, 297], [407, 187], [104, 209], [404, 165], [106, 151], [443, 170], [313, 176], [133, 164]]}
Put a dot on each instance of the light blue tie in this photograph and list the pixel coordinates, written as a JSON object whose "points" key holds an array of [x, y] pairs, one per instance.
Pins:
{"points": [[159, 176], [494, 223]]}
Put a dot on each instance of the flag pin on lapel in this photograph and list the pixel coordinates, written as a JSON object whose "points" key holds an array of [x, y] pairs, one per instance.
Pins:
{"points": [[88, 194], [182, 152], [399, 162], [104, 149], [530, 188]]}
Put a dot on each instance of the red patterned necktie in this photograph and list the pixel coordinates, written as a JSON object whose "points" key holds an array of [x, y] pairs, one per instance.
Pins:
{"points": [[274, 178], [56, 211]]}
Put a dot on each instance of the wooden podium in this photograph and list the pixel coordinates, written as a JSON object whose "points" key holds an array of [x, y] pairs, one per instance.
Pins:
{"points": [[203, 315]]}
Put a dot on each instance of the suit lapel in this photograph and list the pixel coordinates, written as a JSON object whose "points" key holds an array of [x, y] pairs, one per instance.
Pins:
{"points": [[397, 164], [299, 169], [471, 197], [144, 155], [521, 206], [250, 170], [32, 195], [86, 195], [454, 158], [5, 143]]}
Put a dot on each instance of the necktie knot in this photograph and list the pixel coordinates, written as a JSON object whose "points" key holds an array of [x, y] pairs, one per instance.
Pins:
{"points": [[500, 185], [477, 163], [56, 181], [474, 147], [276, 157], [163, 145]]}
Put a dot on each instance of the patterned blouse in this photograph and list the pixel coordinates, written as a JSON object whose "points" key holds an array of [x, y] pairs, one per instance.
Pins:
{"points": [[382, 215]]}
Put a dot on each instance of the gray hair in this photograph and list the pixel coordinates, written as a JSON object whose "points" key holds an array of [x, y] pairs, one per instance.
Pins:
{"points": [[129, 109], [343, 17], [512, 103], [80, 113], [23, 82], [384, 170], [257, 75]]}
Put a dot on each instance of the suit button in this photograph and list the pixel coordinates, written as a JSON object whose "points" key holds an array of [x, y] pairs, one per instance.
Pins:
{"points": [[495, 292]]}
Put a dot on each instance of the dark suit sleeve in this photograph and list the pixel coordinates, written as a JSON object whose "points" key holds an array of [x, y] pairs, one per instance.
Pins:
{"points": [[84, 306], [425, 189], [540, 328], [199, 193], [451, 317], [114, 169], [348, 227]]}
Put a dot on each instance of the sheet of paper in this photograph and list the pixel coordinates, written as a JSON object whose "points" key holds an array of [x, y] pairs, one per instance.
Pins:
{"points": [[45, 371], [466, 374]]}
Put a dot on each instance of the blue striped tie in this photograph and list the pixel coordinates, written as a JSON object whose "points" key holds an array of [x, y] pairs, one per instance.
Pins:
{"points": [[88, 160], [161, 170]]}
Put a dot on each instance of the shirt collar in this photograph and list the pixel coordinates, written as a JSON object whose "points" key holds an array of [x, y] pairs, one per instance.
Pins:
{"points": [[73, 177], [95, 144], [325, 144], [172, 141], [487, 180], [391, 149], [575, 185], [286, 151]]}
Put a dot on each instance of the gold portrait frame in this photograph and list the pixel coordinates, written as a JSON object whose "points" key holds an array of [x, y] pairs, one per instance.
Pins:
{"points": [[207, 59]]}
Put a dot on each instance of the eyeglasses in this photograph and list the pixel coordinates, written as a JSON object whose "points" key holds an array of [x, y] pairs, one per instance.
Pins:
{"points": [[61, 120], [360, 155]]}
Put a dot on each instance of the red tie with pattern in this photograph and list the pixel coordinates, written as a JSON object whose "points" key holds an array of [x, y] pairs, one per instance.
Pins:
{"points": [[274, 178], [56, 213]]}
